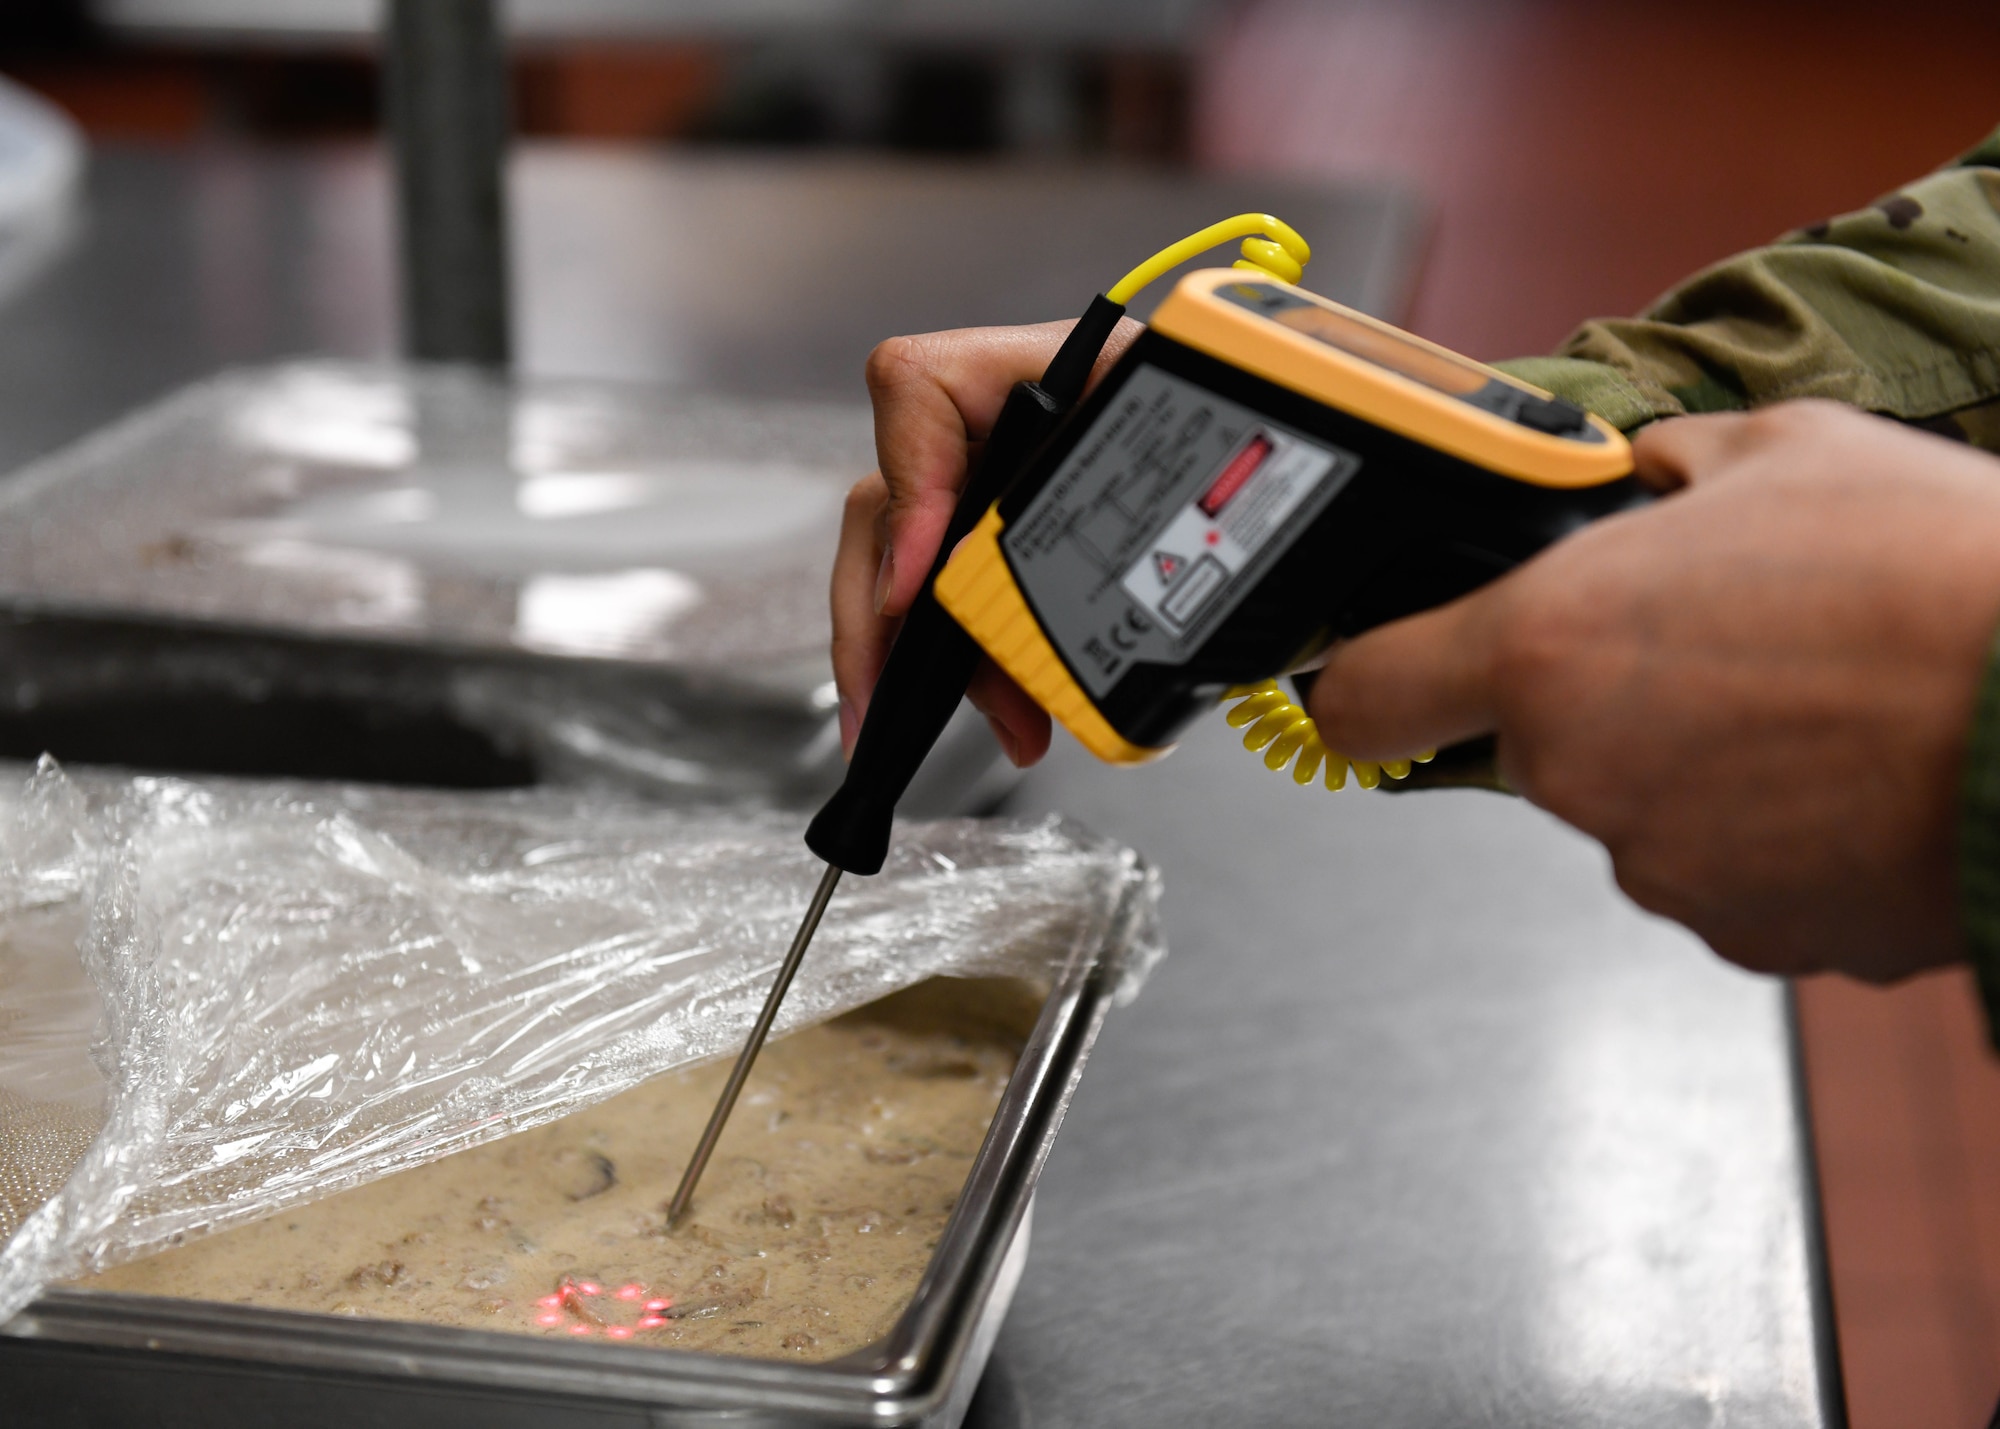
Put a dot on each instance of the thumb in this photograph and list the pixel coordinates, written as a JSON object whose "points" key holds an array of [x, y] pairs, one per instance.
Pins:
{"points": [[1419, 683], [1685, 451]]}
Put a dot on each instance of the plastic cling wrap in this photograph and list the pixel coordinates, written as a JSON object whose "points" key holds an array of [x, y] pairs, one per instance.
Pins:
{"points": [[298, 988]]}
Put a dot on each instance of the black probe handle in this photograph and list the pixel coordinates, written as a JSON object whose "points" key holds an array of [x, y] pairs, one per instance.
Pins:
{"points": [[929, 666], [933, 658]]}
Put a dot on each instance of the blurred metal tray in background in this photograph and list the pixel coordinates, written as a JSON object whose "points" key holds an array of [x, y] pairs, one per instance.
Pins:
{"points": [[427, 575]]}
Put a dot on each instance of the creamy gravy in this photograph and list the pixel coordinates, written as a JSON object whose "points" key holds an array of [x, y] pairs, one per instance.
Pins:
{"points": [[810, 1231]]}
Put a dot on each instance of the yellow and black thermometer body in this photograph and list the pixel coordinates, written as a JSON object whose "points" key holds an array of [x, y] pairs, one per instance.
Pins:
{"points": [[1262, 472]]}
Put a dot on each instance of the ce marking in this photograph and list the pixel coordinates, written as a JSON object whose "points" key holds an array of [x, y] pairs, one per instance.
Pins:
{"points": [[1125, 635]]}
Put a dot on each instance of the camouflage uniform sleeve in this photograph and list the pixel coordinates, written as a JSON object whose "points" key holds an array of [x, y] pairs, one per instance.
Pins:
{"points": [[1895, 309]]}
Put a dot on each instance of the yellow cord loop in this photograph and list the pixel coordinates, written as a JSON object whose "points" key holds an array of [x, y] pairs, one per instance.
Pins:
{"points": [[1270, 246], [1271, 722]]}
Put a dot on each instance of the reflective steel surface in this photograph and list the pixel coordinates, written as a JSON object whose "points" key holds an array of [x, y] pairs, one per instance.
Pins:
{"points": [[1421, 1123]]}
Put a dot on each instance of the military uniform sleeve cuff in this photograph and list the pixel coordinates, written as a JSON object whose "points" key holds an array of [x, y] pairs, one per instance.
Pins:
{"points": [[1985, 156], [1979, 845], [1593, 386]]}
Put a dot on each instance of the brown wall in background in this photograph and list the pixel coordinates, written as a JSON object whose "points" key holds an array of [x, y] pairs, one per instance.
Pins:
{"points": [[1907, 1107], [1583, 156], [141, 97], [615, 91], [638, 92], [1128, 105]]}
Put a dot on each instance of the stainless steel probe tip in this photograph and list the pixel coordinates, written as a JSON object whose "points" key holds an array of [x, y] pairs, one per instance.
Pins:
{"points": [[747, 1058]]}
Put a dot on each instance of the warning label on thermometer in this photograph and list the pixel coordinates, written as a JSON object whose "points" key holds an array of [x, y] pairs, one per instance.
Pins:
{"points": [[1221, 531], [1168, 510]]}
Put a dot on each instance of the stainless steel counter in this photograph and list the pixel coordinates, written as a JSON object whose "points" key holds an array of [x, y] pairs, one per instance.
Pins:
{"points": [[1421, 1124]]}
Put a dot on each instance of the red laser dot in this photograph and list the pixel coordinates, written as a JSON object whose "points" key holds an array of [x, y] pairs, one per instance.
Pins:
{"points": [[1214, 538], [590, 1287], [659, 1304], [619, 1332], [631, 1292], [553, 1302], [548, 1319], [651, 1322], [579, 1329]]}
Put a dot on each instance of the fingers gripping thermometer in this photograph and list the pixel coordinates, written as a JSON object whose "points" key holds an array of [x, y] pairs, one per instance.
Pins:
{"points": [[1261, 473]]}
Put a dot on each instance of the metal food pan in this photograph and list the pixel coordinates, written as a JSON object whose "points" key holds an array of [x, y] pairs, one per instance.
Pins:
{"points": [[79, 1357], [392, 573]]}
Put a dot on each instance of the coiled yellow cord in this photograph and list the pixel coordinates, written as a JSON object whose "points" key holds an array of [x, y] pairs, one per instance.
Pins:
{"points": [[1281, 729], [1282, 254]]}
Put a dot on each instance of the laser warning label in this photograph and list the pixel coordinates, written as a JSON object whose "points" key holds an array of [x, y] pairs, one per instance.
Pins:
{"points": [[1167, 511]]}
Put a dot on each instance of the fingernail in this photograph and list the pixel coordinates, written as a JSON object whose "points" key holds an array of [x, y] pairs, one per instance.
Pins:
{"points": [[850, 727], [885, 580]]}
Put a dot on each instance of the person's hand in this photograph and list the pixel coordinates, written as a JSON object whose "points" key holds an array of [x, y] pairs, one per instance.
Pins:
{"points": [[1756, 692], [935, 398]]}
